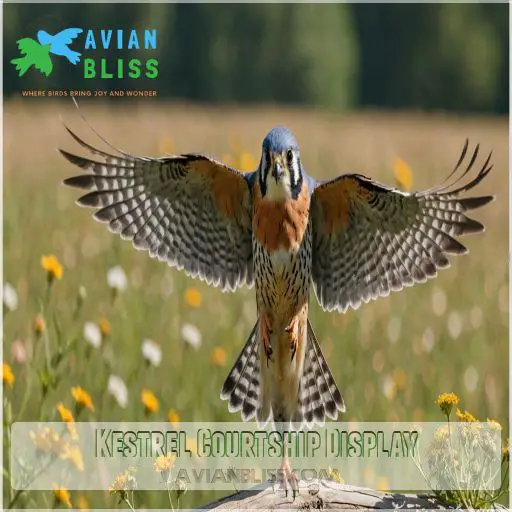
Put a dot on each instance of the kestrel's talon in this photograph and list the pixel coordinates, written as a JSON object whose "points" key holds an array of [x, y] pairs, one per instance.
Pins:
{"points": [[291, 325], [288, 476], [265, 332]]}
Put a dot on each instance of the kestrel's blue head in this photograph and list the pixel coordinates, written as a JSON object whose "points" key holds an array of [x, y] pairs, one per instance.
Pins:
{"points": [[280, 171]]}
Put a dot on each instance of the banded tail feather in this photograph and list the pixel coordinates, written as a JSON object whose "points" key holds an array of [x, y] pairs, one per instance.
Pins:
{"points": [[242, 386], [319, 396]]}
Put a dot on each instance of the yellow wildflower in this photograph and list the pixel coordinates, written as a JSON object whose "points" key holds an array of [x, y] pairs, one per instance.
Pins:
{"points": [[67, 416], [219, 356], [46, 440], [105, 327], [65, 413], [403, 174], [75, 456], [446, 401], [369, 475], [334, 475], [124, 482], [82, 398], [493, 424], [247, 162], [150, 401], [62, 496], [164, 463], [165, 145], [506, 450], [465, 416], [82, 503], [119, 485], [382, 484], [72, 452], [52, 266], [39, 325], [72, 430], [193, 297], [174, 418], [7, 375], [399, 378]]}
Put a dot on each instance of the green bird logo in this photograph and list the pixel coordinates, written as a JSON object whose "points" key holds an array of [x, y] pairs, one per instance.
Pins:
{"points": [[33, 54]]}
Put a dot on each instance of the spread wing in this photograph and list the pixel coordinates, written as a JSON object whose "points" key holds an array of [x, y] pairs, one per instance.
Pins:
{"points": [[370, 240], [190, 210], [28, 46], [66, 36]]}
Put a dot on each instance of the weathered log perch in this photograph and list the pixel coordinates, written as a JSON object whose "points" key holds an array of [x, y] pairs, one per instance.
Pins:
{"points": [[324, 494]]}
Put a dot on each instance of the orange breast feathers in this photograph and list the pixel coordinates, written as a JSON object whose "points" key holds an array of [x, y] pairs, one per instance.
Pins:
{"points": [[280, 225]]}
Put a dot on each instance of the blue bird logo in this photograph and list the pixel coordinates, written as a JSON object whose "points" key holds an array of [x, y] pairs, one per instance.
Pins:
{"points": [[60, 41]]}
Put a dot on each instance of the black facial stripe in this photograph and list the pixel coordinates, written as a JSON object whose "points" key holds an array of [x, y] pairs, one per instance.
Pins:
{"points": [[264, 171]]}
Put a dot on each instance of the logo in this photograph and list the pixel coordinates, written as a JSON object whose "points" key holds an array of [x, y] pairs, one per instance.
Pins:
{"points": [[37, 53]]}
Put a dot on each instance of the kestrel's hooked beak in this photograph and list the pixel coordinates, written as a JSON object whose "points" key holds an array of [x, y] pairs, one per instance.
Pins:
{"points": [[277, 167]]}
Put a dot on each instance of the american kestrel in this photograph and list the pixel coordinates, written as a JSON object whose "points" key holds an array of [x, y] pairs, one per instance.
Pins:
{"points": [[352, 238]]}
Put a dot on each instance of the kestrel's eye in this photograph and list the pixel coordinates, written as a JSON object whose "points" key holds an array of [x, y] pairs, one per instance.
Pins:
{"points": [[289, 156]]}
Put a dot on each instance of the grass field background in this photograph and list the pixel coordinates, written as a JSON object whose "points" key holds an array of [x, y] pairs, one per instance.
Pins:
{"points": [[391, 358]]}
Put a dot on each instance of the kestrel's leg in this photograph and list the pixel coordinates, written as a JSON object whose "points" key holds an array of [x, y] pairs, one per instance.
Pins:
{"points": [[293, 337], [287, 475], [265, 332]]}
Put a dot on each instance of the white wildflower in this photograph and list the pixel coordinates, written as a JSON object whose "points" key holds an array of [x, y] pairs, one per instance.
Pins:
{"points": [[92, 334], [191, 334], [10, 297], [116, 279], [388, 387], [151, 352], [117, 388]]}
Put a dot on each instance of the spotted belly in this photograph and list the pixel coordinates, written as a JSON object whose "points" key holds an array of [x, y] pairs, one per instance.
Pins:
{"points": [[282, 279]]}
